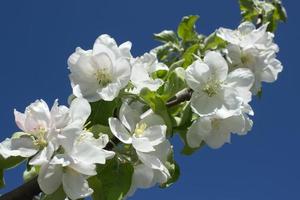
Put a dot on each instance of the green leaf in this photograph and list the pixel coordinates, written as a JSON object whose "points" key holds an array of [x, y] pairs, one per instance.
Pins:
{"points": [[158, 106], [59, 194], [96, 184], [186, 29], [213, 42], [168, 53], [102, 110], [166, 36], [189, 55], [116, 179], [10, 162], [249, 10], [174, 170], [99, 129], [174, 83]]}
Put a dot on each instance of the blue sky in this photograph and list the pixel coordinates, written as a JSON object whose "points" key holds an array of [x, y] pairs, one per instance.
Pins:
{"points": [[37, 36]]}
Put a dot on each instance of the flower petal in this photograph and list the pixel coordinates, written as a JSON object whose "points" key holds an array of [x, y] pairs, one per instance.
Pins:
{"points": [[22, 146], [142, 144], [49, 178], [119, 130], [217, 64], [197, 74], [197, 132], [75, 185], [155, 134]]}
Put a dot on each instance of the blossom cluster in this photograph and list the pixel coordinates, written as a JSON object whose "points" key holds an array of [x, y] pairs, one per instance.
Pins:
{"points": [[65, 151]]}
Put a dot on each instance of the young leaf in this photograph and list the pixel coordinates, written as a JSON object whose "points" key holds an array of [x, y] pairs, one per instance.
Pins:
{"points": [[96, 184], [213, 42], [189, 55], [166, 36], [186, 29], [158, 106], [101, 111], [116, 179], [174, 83]]}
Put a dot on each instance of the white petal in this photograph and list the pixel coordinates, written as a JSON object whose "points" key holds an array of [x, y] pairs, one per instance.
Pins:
{"points": [[142, 144], [122, 71], [151, 161], [234, 55], [142, 176], [84, 168], [155, 134], [88, 153], [20, 120], [231, 103], [151, 119], [217, 65], [204, 105], [49, 178], [43, 156], [197, 74], [22, 146], [110, 92], [119, 130], [229, 35], [125, 49], [129, 117], [246, 28], [217, 139], [139, 73], [198, 131], [242, 80], [75, 185], [80, 110]]}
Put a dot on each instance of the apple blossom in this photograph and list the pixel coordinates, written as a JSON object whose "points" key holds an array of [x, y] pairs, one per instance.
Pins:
{"points": [[144, 131], [215, 91], [215, 131], [253, 49], [142, 69], [42, 128], [102, 72], [146, 177], [74, 166]]}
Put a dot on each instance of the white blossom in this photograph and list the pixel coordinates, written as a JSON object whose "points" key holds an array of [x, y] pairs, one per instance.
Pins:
{"points": [[142, 69], [253, 49], [215, 92], [146, 177], [41, 129], [102, 72], [144, 131], [74, 166], [215, 131]]}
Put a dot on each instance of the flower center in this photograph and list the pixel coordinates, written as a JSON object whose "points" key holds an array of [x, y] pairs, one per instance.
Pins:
{"points": [[139, 129], [103, 77], [247, 60], [215, 123], [212, 87], [39, 137]]}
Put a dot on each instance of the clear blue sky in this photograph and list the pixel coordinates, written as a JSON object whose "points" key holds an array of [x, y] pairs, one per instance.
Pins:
{"points": [[37, 36]]}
